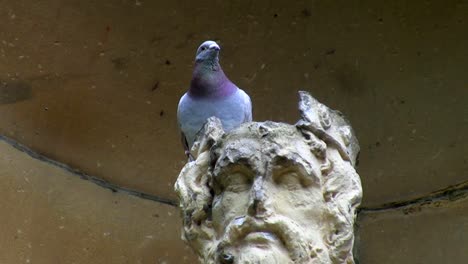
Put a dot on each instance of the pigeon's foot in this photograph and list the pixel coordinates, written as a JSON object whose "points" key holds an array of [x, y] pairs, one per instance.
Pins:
{"points": [[189, 155]]}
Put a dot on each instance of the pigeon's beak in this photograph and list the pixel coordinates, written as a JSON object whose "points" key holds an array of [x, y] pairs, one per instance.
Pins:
{"points": [[214, 47]]}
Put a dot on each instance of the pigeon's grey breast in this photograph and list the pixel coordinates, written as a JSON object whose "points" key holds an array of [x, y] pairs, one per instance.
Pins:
{"points": [[232, 110]]}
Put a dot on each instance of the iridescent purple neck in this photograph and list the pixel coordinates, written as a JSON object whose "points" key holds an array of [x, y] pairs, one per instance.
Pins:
{"points": [[209, 81]]}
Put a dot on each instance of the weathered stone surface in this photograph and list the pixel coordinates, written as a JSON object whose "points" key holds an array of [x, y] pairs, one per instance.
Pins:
{"points": [[429, 235], [96, 85], [272, 192], [51, 216]]}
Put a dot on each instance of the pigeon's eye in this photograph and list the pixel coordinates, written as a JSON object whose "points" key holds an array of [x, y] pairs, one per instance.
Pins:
{"points": [[203, 48]]}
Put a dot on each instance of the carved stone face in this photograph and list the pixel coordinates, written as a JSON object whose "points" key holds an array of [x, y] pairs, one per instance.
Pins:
{"points": [[273, 192], [268, 203]]}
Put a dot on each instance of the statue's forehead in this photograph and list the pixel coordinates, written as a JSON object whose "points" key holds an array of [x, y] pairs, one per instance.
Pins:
{"points": [[245, 151], [266, 153], [248, 143]]}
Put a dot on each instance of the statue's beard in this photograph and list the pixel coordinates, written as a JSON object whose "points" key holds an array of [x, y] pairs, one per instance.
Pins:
{"points": [[254, 254], [275, 239]]}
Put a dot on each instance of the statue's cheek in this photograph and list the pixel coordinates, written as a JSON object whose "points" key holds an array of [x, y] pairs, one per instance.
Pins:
{"points": [[228, 206]]}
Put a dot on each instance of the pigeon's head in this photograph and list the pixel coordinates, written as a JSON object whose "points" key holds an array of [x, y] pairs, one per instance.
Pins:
{"points": [[208, 51]]}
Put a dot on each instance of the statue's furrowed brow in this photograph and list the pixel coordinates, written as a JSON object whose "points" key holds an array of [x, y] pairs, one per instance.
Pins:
{"points": [[246, 162], [293, 160]]}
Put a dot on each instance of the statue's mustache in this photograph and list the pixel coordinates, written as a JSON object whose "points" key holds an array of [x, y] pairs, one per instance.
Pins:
{"points": [[284, 229]]}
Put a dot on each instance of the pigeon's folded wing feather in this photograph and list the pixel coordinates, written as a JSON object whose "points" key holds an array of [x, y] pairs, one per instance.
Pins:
{"points": [[247, 106]]}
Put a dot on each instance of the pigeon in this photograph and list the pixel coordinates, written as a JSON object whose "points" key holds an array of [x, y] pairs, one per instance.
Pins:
{"points": [[210, 93]]}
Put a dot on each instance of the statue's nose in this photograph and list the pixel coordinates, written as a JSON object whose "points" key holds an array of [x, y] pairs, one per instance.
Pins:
{"points": [[257, 199]]}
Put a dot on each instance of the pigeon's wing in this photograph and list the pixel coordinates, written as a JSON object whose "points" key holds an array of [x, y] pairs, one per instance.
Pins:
{"points": [[247, 103], [183, 138]]}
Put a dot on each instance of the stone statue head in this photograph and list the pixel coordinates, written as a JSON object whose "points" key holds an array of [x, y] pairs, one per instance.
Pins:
{"points": [[271, 192]]}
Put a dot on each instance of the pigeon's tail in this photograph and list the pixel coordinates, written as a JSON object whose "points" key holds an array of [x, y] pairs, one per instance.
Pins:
{"points": [[186, 146]]}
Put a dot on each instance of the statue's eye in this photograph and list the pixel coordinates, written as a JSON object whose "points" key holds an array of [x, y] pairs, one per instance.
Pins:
{"points": [[292, 180], [289, 180], [237, 182]]}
